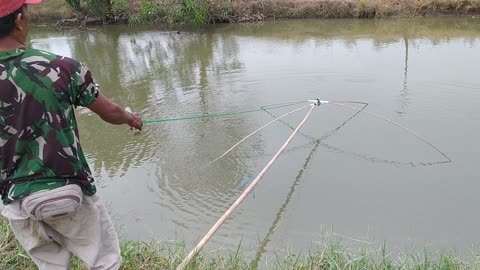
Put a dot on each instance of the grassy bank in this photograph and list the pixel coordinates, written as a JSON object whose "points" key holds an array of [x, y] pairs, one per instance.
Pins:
{"points": [[210, 11], [149, 256], [50, 11]]}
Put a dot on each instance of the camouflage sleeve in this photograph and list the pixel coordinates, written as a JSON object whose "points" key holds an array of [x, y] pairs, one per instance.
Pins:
{"points": [[85, 90]]}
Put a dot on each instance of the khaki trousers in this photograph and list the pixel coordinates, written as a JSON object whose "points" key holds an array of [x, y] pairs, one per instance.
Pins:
{"points": [[88, 234]]}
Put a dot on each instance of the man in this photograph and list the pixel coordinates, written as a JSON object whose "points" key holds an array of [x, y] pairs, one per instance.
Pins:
{"points": [[45, 182]]}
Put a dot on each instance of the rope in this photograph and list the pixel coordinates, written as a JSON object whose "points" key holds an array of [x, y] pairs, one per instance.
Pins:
{"points": [[242, 197], [215, 115]]}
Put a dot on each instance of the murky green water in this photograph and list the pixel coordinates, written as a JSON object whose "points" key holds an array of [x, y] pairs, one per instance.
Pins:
{"points": [[367, 180]]}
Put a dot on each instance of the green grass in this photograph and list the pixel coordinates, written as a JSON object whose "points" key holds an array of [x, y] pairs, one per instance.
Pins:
{"points": [[334, 256], [211, 11]]}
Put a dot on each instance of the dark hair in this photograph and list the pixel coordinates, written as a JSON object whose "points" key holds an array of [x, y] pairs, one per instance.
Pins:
{"points": [[7, 23]]}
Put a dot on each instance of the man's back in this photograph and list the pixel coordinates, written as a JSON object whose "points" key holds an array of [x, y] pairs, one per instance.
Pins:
{"points": [[45, 181], [39, 142]]}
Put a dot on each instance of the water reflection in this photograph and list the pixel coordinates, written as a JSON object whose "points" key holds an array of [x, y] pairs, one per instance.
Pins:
{"points": [[404, 92]]}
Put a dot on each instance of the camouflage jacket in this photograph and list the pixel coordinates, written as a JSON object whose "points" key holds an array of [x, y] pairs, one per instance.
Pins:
{"points": [[39, 141]]}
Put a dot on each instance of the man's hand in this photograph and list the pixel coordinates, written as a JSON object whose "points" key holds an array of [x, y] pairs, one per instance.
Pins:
{"points": [[114, 114], [135, 121]]}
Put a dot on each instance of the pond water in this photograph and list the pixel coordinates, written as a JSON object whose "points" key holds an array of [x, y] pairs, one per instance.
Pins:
{"points": [[362, 180]]}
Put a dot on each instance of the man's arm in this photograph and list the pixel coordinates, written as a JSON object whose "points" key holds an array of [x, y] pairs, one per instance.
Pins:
{"points": [[114, 114]]}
